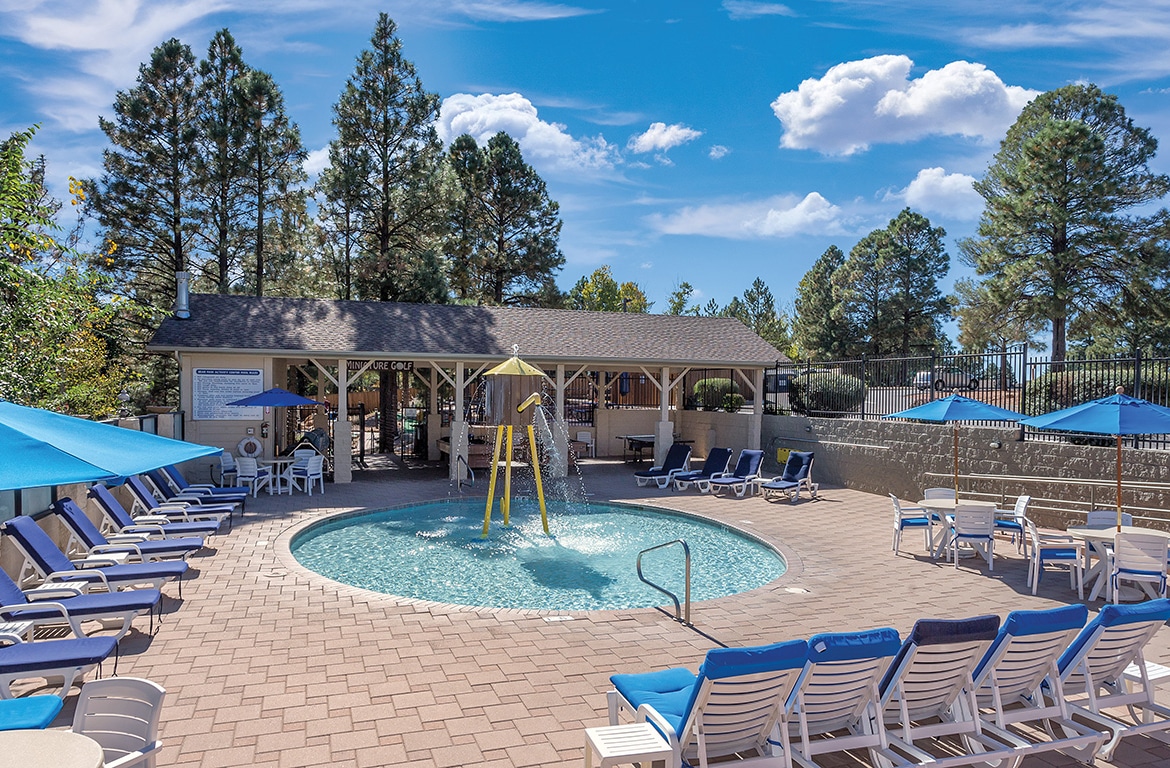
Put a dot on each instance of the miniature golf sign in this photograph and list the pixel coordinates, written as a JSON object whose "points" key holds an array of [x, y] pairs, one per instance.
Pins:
{"points": [[379, 365], [213, 388]]}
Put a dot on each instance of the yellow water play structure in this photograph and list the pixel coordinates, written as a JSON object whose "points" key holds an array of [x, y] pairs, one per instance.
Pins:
{"points": [[513, 388]]}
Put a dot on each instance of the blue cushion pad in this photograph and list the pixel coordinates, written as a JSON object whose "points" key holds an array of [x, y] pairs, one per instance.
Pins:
{"points": [[160, 547], [667, 690], [1112, 616], [846, 646], [734, 662], [31, 657], [131, 573], [82, 606], [30, 712]]}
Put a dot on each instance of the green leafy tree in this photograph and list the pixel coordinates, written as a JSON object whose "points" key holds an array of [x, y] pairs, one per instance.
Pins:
{"points": [[679, 300], [817, 335], [1062, 236], [600, 292], [505, 228], [386, 136]]}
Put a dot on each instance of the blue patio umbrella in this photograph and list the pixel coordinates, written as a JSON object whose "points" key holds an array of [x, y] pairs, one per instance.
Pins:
{"points": [[953, 409], [274, 398], [43, 448], [1116, 415]]}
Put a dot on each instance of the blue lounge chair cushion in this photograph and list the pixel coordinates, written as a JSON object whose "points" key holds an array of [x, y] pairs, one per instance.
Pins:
{"points": [[1024, 623], [795, 470], [672, 692], [232, 490], [846, 646], [676, 459], [31, 712], [927, 632], [150, 501], [84, 606], [48, 654], [717, 460], [77, 521], [1114, 616], [122, 519]]}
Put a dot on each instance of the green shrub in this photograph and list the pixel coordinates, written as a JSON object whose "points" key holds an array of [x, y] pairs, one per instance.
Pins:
{"points": [[709, 393], [826, 393], [732, 402], [1054, 391]]}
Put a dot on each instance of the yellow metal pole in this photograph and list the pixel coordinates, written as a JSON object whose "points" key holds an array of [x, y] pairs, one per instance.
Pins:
{"points": [[506, 502], [536, 469], [487, 514]]}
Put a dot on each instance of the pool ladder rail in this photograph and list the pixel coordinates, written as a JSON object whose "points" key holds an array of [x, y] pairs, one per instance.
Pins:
{"points": [[668, 593], [470, 474]]}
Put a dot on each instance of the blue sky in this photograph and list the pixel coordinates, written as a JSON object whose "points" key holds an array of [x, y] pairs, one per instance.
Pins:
{"points": [[711, 142]]}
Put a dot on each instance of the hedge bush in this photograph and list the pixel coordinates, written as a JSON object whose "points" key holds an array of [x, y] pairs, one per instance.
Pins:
{"points": [[1054, 391], [709, 393], [826, 393], [732, 402]]}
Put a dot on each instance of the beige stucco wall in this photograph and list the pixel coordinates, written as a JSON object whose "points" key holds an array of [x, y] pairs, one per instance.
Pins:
{"points": [[224, 434]]}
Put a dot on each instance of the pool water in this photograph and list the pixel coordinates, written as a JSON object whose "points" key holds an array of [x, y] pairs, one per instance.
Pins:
{"points": [[435, 551]]}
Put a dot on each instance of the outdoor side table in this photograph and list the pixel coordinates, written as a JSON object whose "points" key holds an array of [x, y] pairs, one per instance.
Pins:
{"points": [[620, 744]]}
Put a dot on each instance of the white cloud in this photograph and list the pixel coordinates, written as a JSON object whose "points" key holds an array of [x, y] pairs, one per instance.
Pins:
{"points": [[511, 10], [547, 146], [935, 191], [858, 103], [718, 152], [317, 161], [774, 217], [660, 137], [738, 10]]}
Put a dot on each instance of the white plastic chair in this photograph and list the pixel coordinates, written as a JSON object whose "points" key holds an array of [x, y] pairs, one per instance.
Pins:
{"points": [[939, 493], [227, 466], [975, 527], [121, 714], [303, 477], [586, 439], [1014, 522], [1107, 517], [1055, 548], [253, 476], [1137, 557], [909, 517]]}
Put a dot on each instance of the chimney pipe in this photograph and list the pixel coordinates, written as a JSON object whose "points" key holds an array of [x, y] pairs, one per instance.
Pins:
{"points": [[182, 295]]}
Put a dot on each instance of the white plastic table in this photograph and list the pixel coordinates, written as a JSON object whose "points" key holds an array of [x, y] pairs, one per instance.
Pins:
{"points": [[620, 744], [50, 749], [280, 467]]}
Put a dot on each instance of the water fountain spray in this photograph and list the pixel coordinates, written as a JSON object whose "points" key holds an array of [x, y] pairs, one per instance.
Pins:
{"points": [[513, 388]]}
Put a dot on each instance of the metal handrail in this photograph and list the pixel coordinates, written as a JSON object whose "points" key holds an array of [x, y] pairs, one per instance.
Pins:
{"points": [[668, 593], [470, 472]]}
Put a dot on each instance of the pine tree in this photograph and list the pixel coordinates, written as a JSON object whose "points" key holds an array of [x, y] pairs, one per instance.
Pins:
{"points": [[915, 260], [757, 310], [385, 121], [679, 300], [337, 210], [818, 335]]}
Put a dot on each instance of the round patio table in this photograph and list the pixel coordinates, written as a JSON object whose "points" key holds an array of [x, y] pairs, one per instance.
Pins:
{"points": [[51, 749], [1105, 534]]}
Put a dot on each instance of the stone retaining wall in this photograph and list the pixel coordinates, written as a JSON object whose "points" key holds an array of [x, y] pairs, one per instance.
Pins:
{"points": [[899, 457]]}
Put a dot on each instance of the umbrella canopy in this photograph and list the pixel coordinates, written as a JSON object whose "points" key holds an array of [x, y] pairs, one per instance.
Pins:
{"points": [[514, 366], [1115, 415], [956, 408], [45, 448], [274, 398]]}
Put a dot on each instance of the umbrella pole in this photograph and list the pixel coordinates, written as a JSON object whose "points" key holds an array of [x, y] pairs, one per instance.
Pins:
{"points": [[956, 428], [1119, 483]]}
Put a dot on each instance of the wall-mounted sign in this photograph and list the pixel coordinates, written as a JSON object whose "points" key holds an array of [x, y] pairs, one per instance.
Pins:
{"points": [[380, 365], [213, 388]]}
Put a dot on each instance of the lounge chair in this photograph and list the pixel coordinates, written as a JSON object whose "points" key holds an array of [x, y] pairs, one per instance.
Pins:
{"points": [[1009, 678], [85, 536], [29, 712], [158, 483], [927, 695], [178, 509], [837, 694], [1093, 668], [118, 520], [68, 659], [747, 469], [731, 706], [717, 461], [797, 475], [65, 604], [674, 463], [43, 560], [215, 493]]}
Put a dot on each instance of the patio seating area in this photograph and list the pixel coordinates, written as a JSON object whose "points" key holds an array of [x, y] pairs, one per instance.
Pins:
{"points": [[266, 664]]}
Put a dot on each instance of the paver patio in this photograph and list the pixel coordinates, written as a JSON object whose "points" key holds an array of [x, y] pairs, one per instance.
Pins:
{"points": [[267, 664]]}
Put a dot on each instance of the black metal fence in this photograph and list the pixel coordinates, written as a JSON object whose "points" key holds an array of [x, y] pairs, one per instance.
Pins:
{"points": [[870, 388]]}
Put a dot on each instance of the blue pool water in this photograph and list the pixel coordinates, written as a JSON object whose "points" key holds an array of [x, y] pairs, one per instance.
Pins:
{"points": [[435, 552]]}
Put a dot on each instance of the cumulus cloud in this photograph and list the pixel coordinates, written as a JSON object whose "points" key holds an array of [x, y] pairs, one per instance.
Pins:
{"points": [[660, 137], [859, 103], [774, 217], [935, 191], [738, 10], [317, 161], [547, 146], [717, 152]]}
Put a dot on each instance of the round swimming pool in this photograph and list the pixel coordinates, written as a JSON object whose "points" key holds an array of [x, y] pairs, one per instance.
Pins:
{"points": [[435, 552]]}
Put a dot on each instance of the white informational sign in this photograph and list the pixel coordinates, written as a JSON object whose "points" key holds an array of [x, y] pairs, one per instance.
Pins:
{"points": [[213, 388]]}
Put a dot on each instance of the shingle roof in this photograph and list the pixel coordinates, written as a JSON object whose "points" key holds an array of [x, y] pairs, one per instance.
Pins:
{"points": [[371, 329]]}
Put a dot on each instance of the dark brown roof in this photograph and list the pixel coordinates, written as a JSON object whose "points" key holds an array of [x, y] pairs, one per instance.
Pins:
{"points": [[298, 327]]}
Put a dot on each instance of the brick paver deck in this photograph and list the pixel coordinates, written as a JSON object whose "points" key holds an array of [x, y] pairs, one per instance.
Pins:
{"points": [[267, 664]]}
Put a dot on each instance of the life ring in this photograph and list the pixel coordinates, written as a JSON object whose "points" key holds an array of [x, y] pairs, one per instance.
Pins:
{"points": [[250, 447]]}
